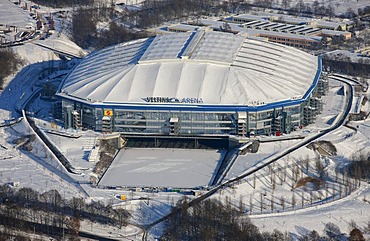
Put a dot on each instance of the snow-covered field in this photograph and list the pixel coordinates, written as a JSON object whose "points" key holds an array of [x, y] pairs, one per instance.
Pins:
{"points": [[30, 169], [162, 168]]}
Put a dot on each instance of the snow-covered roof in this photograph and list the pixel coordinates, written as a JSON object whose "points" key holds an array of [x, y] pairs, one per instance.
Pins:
{"points": [[13, 15], [328, 24], [334, 32], [248, 17], [182, 27], [203, 67], [270, 16]]}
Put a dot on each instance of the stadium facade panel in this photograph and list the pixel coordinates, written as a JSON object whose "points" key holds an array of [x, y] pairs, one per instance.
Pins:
{"points": [[194, 83]]}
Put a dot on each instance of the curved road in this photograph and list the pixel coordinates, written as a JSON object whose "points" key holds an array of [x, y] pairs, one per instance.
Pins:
{"points": [[340, 122]]}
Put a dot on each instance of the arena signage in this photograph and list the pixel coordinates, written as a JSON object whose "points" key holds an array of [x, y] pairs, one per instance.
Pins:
{"points": [[172, 100], [108, 112]]}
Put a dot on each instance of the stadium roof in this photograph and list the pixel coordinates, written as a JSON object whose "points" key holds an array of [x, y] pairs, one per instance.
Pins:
{"points": [[202, 68]]}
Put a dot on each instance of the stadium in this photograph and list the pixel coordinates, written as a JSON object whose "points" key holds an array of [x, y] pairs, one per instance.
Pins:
{"points": [[199, 83]]}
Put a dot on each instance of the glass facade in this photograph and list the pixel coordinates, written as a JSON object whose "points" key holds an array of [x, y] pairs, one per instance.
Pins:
{"points": [[183, 122], [187, 122]]}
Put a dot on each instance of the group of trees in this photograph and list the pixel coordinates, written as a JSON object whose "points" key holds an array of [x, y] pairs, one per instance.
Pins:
{"points": [[84, 27], [213, 220], [86, 34], [315, 8], [9, 62], [346, 66], [364, 11], [359, 167], [155, 12], [26, 210]]}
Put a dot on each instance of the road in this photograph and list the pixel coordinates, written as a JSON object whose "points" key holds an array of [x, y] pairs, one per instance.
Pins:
{"points": [[339, 122], [58, 51], [62, 159]]}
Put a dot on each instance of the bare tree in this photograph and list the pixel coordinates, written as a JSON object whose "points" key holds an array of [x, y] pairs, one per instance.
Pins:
{"points": [[27, 195], [307, 162], [311, 197], [286, 4], [282, 202], [254, 180], [300, 6], [315, 7], [73, 224], [330, 11], [77, 204], [302, 200], [272, 202], [261, 202], [250, 204], [295, 172], [241, 204], [320, 168], [285, 171], [121, 216], [294, 201]]}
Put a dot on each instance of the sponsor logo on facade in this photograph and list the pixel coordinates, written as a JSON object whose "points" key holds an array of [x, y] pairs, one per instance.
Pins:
{"points": [[156, 99], [108, 112]]}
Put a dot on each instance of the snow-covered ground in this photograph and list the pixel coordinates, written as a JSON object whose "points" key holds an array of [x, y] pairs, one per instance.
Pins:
{"points": [[30, 169], [272, 197], [340, 212]]}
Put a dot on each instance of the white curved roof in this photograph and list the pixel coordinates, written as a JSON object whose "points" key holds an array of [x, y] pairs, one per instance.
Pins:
{"points": [[213, 68]]}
